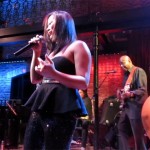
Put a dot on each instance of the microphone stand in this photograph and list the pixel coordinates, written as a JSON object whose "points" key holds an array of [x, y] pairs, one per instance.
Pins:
{"points": [[96, 86], [101, 84], [103, 80], [96, 110], [11, 108]]}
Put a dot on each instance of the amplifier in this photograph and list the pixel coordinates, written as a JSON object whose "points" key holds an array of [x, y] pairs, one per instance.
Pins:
{"points": [[109, 111]]}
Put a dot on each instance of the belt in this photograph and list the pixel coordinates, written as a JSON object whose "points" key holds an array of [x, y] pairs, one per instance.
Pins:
{"points": [[50, 81]]}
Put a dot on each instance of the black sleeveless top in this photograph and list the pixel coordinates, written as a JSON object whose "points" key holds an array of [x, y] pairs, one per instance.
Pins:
{"points": [[56, 98]]}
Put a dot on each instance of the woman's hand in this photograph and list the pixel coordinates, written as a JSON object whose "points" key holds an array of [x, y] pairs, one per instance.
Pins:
{"points": [[37, 40], [45, 68]]}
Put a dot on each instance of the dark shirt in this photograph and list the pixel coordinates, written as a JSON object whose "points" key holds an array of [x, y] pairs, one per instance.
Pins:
{"points": [[139, 88], [88, 105]]}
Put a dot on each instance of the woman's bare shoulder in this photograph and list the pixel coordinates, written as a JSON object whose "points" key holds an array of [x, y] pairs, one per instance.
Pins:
{"points": [[79, 42], [77, 48]]}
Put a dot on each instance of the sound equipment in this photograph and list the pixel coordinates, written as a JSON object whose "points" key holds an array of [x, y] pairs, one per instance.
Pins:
{"points": [[109, 116], [8, 127], [109, 110], [12, 125], [21, 87], [12, 133]]}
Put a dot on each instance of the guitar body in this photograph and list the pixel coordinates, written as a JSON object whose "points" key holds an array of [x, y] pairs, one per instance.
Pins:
{"points": [[121, 93]]}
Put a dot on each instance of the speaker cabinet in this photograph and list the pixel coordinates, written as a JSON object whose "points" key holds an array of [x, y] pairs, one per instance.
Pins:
{"points": [[109, 111], [21, 87]]}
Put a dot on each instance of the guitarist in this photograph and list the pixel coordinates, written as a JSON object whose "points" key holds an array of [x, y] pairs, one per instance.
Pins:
{"points": [[133, 99]]}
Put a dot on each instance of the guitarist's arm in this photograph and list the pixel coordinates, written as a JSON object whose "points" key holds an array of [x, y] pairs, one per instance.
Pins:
{"points": [[139, 90]]}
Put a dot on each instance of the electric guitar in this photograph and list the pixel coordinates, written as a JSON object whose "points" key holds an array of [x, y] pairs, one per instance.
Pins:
{"points": [[120, 93]]}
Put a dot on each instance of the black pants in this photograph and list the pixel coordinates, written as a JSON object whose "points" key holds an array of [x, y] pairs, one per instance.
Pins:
{"points": [[49, 133], [128, 127], [85, 126]]}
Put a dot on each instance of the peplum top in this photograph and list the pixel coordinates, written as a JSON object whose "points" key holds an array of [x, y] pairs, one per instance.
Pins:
{"points": [[56, 98]]}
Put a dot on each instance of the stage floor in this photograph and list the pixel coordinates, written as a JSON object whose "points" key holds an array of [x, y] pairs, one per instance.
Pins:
{"points": [[73, 147]]}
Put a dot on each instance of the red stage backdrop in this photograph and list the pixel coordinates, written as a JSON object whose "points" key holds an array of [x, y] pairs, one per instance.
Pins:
{"points": [[108, 82]]}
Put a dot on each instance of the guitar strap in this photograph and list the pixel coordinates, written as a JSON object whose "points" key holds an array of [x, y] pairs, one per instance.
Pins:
{"points": [[128, 82]]}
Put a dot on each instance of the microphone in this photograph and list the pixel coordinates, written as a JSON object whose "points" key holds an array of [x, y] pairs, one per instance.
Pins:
{"points": [[27, 47], [12, 109], [111, 71]]}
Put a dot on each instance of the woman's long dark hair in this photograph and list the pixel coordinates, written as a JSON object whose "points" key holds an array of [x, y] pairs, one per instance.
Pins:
{"points": [[65, 31], [85, 93]]}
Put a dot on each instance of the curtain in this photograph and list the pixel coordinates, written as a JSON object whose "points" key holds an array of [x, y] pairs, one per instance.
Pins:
{"points": [[139, 50]]}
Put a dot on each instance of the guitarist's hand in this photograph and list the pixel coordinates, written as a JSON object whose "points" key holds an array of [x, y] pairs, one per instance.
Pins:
{"points": [[125, 95], [118, 94]]}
